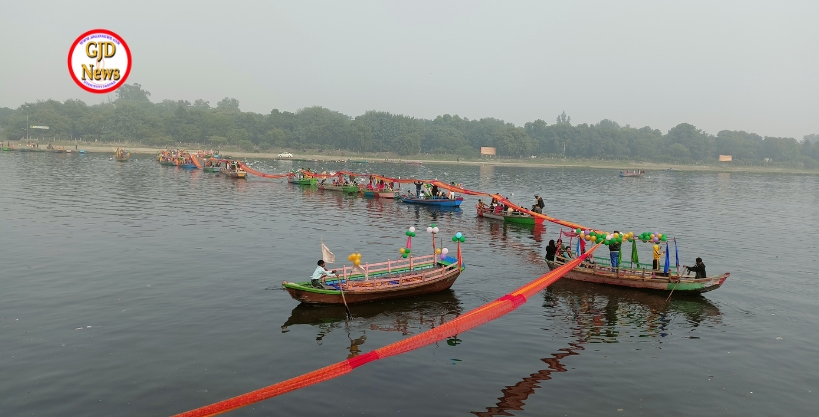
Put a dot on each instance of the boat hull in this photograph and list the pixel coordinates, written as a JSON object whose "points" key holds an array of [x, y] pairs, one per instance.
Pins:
{"points": [[211, 169], [385, 194], [522, 218], [439, 202], [237, 175], [303, 181], [488, 214], [341, 188], [630, 174], [304, 293], [187, 166], [643, 279]]}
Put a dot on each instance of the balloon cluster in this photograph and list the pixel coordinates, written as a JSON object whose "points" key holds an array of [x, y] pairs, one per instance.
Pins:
{"points": [[459, 237], [596, 236], [355, 258], [442, 252], [411, 232], [404, 252], [653, 237], [432, 228]]}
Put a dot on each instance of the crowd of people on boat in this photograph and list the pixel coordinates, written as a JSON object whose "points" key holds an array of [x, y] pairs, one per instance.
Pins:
{"points": [[122, 154], [432, 191]]}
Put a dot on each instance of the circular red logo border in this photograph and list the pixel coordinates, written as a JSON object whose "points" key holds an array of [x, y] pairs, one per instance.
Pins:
{"points": [[121, 81]]}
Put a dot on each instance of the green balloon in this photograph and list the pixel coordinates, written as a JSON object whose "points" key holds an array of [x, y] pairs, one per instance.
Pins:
{"points": [[407, 250], [404, 255], [577, 230], [463, 239], [454, 239], [663, 238]]}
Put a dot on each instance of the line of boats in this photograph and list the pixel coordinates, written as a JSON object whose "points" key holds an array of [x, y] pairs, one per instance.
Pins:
{"points": [[424, 274]]}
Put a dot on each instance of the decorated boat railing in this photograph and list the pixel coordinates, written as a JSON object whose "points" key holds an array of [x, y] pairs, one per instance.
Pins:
{"points": [[373, 270]]}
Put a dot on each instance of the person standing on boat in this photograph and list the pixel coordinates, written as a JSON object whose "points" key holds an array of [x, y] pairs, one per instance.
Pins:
{"points": [[551, 250], [698, 269], [435, 191], [418, 185], [658, 252], [317, 280], [614, 253]]}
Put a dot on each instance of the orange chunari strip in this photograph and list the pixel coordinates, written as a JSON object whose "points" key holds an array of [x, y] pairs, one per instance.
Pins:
{"points": [[460, 324]]}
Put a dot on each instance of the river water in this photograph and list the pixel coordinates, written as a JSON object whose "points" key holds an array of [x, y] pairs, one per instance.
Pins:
{"points": [[131, 289]]}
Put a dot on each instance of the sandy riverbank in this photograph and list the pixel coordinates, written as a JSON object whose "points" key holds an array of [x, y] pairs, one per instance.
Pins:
{"points": [[534, 163]]}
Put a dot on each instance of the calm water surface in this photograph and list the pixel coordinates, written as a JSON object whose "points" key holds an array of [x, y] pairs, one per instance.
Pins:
{"points": [[130, 289]]}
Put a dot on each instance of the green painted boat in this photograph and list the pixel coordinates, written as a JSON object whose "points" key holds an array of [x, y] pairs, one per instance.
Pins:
{"points": [[211, 169], [303, 181], [352, 188], [521, 218]]}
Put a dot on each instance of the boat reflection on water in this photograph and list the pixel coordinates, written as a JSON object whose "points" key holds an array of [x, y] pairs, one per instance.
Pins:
{"points": [[502, 231], [599, 314], [409, 316], [602, 312]]}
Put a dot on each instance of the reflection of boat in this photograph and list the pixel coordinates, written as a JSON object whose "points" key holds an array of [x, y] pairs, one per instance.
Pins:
{"points": [[392, 279], [641, 278], [628, 173], [433, 201], [380, 315]]}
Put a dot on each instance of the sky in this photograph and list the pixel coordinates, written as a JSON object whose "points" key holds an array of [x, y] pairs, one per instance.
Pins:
{"points": [[737, 65]]}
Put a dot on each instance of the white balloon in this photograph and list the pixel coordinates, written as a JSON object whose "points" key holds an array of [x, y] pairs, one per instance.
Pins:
{"points": [[444, 251], [412, 228], [435, 229], [429, 229]]}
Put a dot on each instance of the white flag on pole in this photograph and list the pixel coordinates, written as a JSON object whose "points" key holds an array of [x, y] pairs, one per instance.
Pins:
{"points": [[326, 254]]}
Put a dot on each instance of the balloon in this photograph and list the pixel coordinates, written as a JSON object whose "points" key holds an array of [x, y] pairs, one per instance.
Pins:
{"points": [[577, 230], [463, 239], [356, 262], [407, 250], [443, 257], [437, 251], [444, 251], [350, 258], [435, 229], [664, 238], [404, 255], [402, 250], [429, 229], [586, 231], [458, 235], [412, 228], [609, 237], [454, 238]]}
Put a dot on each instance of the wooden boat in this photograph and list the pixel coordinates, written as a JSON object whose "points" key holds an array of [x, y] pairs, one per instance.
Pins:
{"points": [[303, 181], [210, 168], [189, 165], [122, 155], [368, 193], [603, 273], [434, 201], [392, 279], [489, 214], [628, 173], [385, 194], [521, 218], [238, 174], [349, 188]]}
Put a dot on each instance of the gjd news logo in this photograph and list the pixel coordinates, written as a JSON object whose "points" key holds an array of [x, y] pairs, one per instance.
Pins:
{"points": [[99, 61]]}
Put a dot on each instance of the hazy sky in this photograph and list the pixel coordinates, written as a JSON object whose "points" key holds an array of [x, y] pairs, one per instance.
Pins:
{"points": [[738, 65]]}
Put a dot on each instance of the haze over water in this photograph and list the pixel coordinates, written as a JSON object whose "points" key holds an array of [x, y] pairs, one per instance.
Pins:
{"points": [[140, 290]]}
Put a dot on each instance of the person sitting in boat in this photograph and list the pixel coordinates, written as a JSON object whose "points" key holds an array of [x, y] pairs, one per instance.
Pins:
{"points": [[481, 205], [536, 209], [698, 269], [317, 280], [435, 192], [541, 205]]}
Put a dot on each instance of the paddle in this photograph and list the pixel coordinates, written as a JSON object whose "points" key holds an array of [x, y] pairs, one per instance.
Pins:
{"points": [[349, 316]]}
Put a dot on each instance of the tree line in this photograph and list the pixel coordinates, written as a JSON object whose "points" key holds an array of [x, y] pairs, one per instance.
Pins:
{"points": [[134, 117]]}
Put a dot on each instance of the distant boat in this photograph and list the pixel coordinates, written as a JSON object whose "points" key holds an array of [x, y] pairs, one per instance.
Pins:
{"points": [[637, 173], [436, 201]]}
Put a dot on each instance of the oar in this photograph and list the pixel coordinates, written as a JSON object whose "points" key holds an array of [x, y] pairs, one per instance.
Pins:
{"points": [[349, 316], [672, 291]]}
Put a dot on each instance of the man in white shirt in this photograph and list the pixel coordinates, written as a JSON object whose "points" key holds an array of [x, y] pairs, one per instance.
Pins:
{"points": [[317, 280]]}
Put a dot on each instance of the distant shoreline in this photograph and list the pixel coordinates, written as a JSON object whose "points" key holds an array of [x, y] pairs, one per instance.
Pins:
{"points": [[649, 167]]}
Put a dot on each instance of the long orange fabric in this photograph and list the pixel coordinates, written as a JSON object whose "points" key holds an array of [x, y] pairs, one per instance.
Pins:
{"points": [[462, 323]]}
